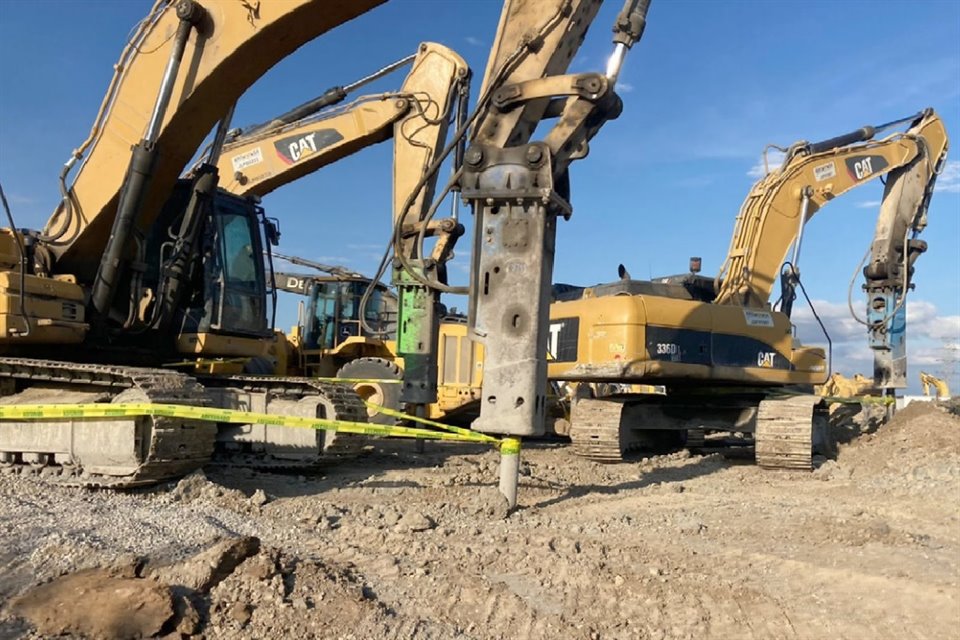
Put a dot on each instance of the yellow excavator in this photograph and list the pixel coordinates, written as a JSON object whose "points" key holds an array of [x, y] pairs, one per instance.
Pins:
{"points": [[725, 355], [138, 271], [840, 386], [330, 340], [941, 390]]}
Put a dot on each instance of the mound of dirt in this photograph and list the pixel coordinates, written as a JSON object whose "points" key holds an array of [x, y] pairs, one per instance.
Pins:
{"points": [[196, 487], [916, 450]]}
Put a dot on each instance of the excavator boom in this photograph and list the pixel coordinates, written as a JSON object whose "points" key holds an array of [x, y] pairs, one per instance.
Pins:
{"points": [[230, 46], [415, 116], [779, 206]]}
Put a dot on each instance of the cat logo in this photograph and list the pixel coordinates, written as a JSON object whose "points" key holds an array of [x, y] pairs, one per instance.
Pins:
{"points": [[295, 148], [562, 339], [766, 359], [863, 167]]}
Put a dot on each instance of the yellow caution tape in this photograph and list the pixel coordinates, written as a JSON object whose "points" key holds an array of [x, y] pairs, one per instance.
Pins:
{"points": [[231, 416], [860, 399], [359, 380], [393, 413], [510, 447]]}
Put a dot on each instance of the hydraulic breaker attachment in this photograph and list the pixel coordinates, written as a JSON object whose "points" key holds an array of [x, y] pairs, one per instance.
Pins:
{"points": [[516, 208], [887, 332]]}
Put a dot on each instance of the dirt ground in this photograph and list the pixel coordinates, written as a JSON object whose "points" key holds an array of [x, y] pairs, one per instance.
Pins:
{"points": [[405, 545]]}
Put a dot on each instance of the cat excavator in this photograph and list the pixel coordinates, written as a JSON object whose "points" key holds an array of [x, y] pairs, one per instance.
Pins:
{"points": [[137, 271], [727, 356], [941, 390], [256, 160]]}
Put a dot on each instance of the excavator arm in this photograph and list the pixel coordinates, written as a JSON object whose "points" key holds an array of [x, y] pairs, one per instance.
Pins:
{"points": [[196, 57], [415, 116], [517, 189], [773, 217], [334, 270], [941, 390]]}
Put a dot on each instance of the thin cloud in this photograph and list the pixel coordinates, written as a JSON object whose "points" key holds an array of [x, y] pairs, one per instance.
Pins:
{"points": [[624, 87], [774, 159], [841, 326], [924, 319], [16, 198], [474, 41], [929, 338], [949, 179], [869, 204]]}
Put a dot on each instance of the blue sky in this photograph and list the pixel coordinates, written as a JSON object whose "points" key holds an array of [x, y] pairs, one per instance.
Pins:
{"points": [[708, 87]]}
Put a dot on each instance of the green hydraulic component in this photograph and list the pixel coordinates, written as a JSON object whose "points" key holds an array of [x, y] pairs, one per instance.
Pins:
{"points": [[418, 335]]}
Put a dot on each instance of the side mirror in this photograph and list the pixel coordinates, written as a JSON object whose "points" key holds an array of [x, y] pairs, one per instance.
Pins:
{"points": [[271, 229]]}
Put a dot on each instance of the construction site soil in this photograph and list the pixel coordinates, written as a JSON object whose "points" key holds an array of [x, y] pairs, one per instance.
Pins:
{"points": [[400, 544]]}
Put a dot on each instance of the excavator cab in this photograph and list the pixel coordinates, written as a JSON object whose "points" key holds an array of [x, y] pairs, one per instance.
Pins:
{"points": [[333, 311], [234, 276], [231, 286]]}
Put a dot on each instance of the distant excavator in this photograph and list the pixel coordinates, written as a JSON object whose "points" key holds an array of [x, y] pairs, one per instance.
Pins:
{"points": [[727, 357], [941, 390], [840, 386], [330, 340]]}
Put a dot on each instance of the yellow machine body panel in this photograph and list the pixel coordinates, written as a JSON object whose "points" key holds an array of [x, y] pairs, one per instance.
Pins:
{"points": [[459, 370], [654, 339], [58, 305]]}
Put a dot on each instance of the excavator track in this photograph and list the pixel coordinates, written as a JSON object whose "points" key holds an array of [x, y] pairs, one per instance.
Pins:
{"points": [[597, 430], [696, 439], [135, 451], [786, 430], [339, 402], [119, 453]]}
